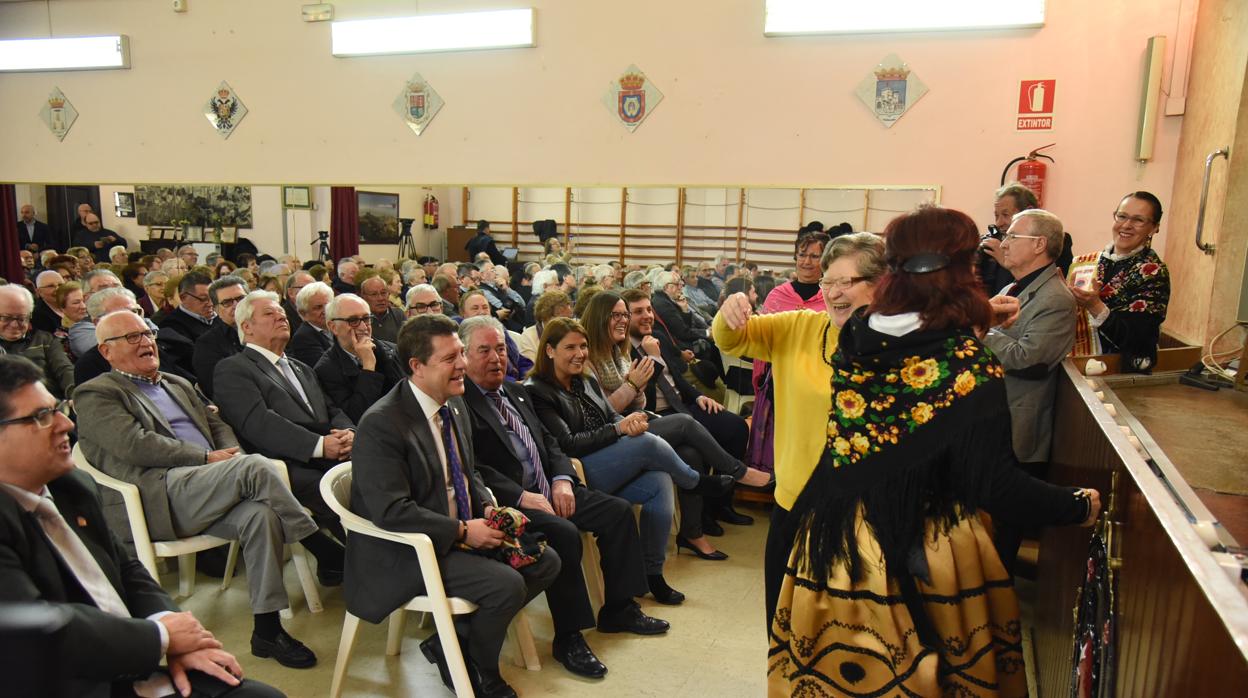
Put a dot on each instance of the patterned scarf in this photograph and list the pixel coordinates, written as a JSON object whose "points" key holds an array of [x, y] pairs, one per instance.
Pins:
{"points": [[900, 404]]}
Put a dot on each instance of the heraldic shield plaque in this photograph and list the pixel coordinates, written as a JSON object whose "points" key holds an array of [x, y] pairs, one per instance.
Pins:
{"points": [[417, 103], [224, 110], [890, 90], [58, 113], [631, 97]]}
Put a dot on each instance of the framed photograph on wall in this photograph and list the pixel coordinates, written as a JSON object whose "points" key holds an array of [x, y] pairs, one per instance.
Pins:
{"points": [[123, 202], [379, 217], [194, 233], [296, 197], [229, 235]]}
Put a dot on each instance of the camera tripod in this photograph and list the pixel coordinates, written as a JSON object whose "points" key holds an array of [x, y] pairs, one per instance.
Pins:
{"points": [[322, 252], [407, 248]]}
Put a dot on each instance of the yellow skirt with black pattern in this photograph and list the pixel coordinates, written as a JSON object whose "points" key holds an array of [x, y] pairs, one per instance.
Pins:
{"points": [[858, 639]]}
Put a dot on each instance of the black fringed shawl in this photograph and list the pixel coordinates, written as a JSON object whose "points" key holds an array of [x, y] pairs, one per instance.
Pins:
{"points": [[917, 426]]}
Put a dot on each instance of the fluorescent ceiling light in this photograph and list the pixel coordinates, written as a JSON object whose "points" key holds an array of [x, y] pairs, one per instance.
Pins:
{"points": [[787, 17], [452, 32], [78, 53]]}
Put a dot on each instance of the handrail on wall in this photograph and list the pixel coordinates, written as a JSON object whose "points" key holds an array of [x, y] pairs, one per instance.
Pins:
{"points": [[1207, 248]]}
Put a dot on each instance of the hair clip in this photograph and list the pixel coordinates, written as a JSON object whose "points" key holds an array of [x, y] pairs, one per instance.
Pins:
{"points": [[925, 263]]}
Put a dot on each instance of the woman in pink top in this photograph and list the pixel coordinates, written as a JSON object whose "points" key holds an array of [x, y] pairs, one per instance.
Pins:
{"points": [[802, 292]]}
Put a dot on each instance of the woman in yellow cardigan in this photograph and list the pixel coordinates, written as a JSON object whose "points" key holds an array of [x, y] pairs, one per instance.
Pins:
{"points": [[799, 344]]}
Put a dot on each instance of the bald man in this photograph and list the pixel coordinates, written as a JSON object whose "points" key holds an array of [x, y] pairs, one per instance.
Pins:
{"points": [[32, 234], [96, 238]]}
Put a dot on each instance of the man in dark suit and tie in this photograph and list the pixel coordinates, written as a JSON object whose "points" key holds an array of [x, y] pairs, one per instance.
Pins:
{"points": [[313, 338], [276, 405], [521, 462], [32, 235], [414, 471], [221, 340], [153, 429], [387, 319], [56, 549], [358, 369], [192, 318]]}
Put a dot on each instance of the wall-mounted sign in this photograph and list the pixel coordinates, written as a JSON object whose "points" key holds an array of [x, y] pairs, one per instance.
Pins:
{"points": [[224, 110], [417, 104], [890, 90], [58, 113], [1035, 105], [632, 97]]}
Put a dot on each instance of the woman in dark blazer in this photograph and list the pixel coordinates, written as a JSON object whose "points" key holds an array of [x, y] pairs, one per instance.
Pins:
{"points": [[618, 455]]}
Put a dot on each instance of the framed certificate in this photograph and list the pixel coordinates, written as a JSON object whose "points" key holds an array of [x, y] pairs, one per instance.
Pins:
{"points": [[296, 197], [229, 235], [194, 233]]}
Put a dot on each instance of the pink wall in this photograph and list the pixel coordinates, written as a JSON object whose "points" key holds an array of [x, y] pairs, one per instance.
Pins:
{"points": [[739, 108]]}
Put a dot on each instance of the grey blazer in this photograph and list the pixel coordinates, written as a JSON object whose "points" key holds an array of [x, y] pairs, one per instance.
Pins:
{"points": [[123, 434], [1030, 350], [269, 416], [398, 485]]}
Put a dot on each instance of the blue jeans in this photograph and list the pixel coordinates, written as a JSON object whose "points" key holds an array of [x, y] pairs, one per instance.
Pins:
{"points": [[641, 470]]}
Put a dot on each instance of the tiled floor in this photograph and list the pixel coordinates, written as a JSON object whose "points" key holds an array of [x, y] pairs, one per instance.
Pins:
{"points": [[717, 645]]}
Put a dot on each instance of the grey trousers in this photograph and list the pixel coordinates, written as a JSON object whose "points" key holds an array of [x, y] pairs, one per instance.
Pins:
{"points": [[242, 498]]}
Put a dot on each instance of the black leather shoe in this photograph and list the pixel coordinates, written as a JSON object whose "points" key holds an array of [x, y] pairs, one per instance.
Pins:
{"points": [[713, 555], [431, 647], [328, 577], [288, 651], [491, 685], [663, 593], [711, 527], [731, 516], [631, 619], [713, 485], [576, 656]]}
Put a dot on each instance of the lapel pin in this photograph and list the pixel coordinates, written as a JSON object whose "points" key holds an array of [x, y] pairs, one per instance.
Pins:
{"points": [[82, 522]]}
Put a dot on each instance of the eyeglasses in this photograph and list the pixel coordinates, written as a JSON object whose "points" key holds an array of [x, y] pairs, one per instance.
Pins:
{"points": [[425, 307], [353, 321], [808, 257], [43, 418], [1014, 236], [619, 316], [841, 284], [134, 337], [46, 286], [14, 319], [1133, 220], [201, 299], [229, 302]]}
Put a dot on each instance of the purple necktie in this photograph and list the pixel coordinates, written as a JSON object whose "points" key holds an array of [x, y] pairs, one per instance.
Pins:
{"points": [[512, 420], [452, 465]]}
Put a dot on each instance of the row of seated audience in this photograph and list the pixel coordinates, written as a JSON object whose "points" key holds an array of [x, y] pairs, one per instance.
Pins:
{"points": [[439, 381]]}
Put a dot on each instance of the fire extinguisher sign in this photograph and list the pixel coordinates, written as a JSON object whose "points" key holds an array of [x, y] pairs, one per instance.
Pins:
{"points": [[1035, 105]]}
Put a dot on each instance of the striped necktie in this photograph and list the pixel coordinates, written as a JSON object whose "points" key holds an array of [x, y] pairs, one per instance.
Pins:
{"points": [[517, 427]]}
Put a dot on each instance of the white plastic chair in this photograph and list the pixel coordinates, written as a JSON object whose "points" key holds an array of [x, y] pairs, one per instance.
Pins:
{"points": [[336, 489], [733, 400], [149, 550]]}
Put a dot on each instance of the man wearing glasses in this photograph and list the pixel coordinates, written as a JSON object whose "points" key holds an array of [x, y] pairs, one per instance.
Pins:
{"points": [[193, 316], [359, 368], [221, 340], [423, 299], [18, 338], [290, 292], [387, 319], [154, 430], [1031, 348]]}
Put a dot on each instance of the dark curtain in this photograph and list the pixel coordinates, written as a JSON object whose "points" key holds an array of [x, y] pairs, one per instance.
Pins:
{"points": [[10, 261], [344, 223]]}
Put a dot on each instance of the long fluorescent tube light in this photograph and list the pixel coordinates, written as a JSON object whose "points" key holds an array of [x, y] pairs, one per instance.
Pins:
{"points": [[789, 17], [462, 31], [77, 53]]}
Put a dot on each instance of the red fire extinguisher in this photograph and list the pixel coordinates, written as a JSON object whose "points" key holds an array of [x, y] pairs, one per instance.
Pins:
{"points": [[431, 212], [1032, 172]]}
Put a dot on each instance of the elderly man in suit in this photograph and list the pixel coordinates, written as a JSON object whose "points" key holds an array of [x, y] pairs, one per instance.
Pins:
{"points": [[415, 471], [276, 405], [221, 340], [191, 319], [32, 234], [290, 292], [313, 338], [119, 624], [521, 462], [152, 429], [358, 369], [387, 319], [1031, 349]]}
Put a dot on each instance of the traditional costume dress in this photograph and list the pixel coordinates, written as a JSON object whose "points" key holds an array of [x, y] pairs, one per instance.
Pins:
{"points": [[894, 586], [1135, 288]]}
